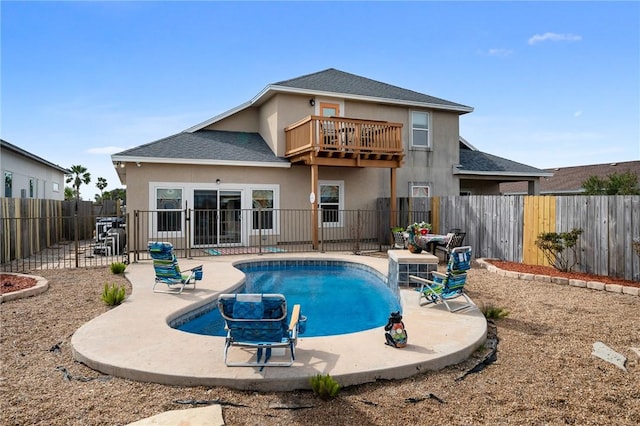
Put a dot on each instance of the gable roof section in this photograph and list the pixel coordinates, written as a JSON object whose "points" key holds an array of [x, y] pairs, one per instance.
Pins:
{"points": [[568, 180], [336, 83], [340, 82], [210, 147], [6, 145], [474, 162]]}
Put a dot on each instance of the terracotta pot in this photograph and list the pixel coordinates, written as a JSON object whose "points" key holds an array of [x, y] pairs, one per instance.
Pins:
{"points": [[414, 248]]}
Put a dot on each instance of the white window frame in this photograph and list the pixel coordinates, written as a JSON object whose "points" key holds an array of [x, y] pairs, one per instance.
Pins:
{"points": [[340, 185], [417, 186], [275, 228], [154, 207], [427, 130], [56, 187]]}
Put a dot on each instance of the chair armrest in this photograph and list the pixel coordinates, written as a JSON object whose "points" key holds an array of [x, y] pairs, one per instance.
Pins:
{"points": [[424, 282], [439, 274], [295, 316], [193, 269]]}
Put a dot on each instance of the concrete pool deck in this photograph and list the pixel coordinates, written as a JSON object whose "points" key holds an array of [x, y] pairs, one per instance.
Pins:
{"points": [[134, 340]]}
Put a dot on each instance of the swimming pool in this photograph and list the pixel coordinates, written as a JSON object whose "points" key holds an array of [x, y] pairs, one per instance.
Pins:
{"points": [[336, 297]]}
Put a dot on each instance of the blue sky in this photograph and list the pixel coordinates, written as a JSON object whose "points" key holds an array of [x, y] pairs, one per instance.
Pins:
{"points": [[553, 84]]}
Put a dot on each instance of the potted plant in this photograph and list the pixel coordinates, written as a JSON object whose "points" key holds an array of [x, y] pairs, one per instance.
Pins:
{"points": [[414, 230], [399, 238]]}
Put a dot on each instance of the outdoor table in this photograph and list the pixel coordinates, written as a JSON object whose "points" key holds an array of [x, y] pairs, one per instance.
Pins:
{"points": [[431, 240]]}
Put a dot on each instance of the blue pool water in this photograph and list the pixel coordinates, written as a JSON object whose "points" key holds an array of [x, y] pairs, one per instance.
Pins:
{"points": [[336, 299]]}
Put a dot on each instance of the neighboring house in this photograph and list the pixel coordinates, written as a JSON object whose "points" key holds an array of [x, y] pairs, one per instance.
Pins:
{"points": [[26, 175], [329, 140], [568, 180], [482, 174]]}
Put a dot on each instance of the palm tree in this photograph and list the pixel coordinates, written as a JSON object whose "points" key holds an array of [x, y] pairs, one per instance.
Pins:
{"points": [[101, 185], [77, 177]]}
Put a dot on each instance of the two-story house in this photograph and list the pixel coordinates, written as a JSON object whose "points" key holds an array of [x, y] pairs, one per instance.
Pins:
{"points": [[329, 140]]}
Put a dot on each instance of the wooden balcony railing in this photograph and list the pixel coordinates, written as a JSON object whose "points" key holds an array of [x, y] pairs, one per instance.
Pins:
{"points": [[341, 141]]}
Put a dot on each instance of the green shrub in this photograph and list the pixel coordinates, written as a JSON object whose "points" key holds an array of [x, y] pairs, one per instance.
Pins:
{"points": [[324, 386], [118, 268], [493, 312], [114, 295], [555, 248]]}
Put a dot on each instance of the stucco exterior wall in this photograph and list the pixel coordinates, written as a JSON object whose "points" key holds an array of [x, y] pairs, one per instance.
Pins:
{"points": [[243, 121], [480, 187], [294, 183]]}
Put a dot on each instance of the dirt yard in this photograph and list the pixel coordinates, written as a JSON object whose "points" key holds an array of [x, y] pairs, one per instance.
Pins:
{"points": [[544, 372]]}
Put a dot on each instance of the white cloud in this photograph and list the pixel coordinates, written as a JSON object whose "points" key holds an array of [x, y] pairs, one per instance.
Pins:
{"points": [[500, 52], [105, 150], [538, 38], [577, 113]]}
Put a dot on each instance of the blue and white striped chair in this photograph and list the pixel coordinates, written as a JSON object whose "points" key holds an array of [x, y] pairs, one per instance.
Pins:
{"points": [[260, 322], [449, 285], [167, 270]]}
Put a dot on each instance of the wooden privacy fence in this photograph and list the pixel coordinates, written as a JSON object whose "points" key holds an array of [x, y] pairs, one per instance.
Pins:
{"points": [[29, 226], [506, 227]]}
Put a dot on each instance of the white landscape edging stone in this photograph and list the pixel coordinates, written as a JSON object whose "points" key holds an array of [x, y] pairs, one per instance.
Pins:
{"points": [[592, 285], [40, 287]]}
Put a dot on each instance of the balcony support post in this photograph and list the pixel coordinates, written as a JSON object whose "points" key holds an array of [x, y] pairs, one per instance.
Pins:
{"points": [[314, 205], [392, 201]]}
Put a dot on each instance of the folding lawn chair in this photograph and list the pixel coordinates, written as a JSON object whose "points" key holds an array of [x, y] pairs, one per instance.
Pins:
{"points": [[167, 270]]}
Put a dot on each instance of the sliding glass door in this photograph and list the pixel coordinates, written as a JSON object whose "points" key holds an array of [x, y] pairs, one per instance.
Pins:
{"points": [[217, 217]]}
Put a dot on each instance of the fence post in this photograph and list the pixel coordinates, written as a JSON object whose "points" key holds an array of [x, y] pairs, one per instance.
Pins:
{"points": [[75, 234], [259, 229], [136, 235], [187, 245]]}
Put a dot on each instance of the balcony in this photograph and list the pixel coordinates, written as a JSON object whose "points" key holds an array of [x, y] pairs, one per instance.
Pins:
{"points": [[345, 142]]}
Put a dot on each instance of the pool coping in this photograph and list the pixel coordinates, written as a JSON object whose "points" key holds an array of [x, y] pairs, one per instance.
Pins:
{"points": [[135, 341]]}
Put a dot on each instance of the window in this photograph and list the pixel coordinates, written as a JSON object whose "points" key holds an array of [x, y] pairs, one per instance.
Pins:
{"points": [[329, 110], [56, 187], [8, 184], [331, 202], [420, 191], [169, 205], [420, 129], [32, 186], [262, 200]]}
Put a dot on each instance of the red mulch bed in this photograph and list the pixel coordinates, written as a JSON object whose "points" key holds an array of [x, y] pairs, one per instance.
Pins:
{"points": [[548, 270], [10, 283]]}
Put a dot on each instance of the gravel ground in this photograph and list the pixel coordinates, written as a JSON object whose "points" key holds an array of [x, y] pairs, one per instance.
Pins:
{"points": [[544, 373]]}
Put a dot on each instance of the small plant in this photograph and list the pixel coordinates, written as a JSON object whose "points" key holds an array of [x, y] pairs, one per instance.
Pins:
{"points": [[555, 248], [493, 312], [118, 268], [114, 295], [324, 386]]}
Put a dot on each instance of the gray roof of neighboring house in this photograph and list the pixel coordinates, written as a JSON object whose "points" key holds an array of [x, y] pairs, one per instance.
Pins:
{"points": [[336, 81], [6, 145], [208, 145], [568, 180], [477, 161]]}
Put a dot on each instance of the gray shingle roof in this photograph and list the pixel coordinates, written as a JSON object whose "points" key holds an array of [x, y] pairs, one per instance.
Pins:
{"points": [[208, 145], [570, 179], [477, 161], [336, 81]]}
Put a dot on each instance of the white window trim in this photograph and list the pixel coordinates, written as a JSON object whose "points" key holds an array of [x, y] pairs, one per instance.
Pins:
{"points": [[341, 208], [428, 130], [276, 207], [188, 189], [153, 199], [419, 185]]}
